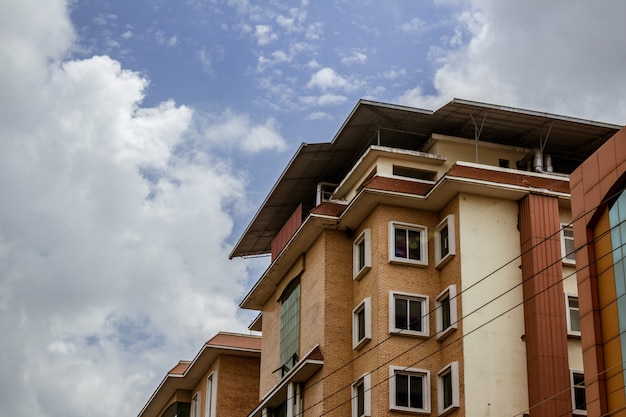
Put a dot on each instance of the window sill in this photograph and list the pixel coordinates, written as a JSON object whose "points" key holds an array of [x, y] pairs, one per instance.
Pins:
{"points": [[409, 410], [448, 410], [573, 335], [445, 333], [361, 273], [442, 262], [410, 333], [360, 343], [403, 261]]}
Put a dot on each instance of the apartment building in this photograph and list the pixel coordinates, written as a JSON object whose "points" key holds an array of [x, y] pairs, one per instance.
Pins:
{"points": [[422, 263], [222, 380], [599, 211]]}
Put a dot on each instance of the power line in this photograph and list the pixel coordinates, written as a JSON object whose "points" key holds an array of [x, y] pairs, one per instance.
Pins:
{"points": [[361, 354], [472, 312]]}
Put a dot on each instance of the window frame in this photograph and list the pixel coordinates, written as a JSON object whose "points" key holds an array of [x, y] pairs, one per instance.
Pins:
{"points": [[446, 223], [364, 307], [287, 362], [425, 332], [211, 395], [451, 369], [403, 370], [364, 238], [451, 295], [567, 227], [194, 409], [364, 381], [568, 315], [423, 238], [577, 411]]}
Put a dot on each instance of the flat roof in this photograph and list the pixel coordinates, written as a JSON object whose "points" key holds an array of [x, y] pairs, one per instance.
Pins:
{"points": [[568, 140]]}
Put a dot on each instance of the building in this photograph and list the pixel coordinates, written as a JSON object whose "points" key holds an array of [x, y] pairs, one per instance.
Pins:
{"points": [[222, 380], [422, 263], [598, 208]]}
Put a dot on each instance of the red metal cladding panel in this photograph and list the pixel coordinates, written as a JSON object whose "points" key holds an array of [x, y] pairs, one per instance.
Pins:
{"points": [[289, 228], [544, 309]]}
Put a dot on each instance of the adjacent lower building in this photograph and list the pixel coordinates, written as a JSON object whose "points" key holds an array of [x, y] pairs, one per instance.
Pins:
{"points": [[222, 380], [423, 263], [599, 215]]}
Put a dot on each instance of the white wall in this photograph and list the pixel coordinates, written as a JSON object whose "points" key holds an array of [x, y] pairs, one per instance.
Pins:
{"points": [[494, 354]]}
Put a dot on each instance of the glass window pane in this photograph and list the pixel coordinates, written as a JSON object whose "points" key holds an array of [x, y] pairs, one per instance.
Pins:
{"points": [[401, 313], [445, 313], [417, 398], [402, 390], [415, 314], [400, 243], [414, 245], [447, 389], [361, 255], [360, 397]]}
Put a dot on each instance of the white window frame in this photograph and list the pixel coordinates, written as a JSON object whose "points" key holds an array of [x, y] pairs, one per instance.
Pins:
{"points": [[195, 405], [453, 370], [366, 307], [450, 294], [568, 315], [422, 230], [211, 395], [576, 411], [365, 239], [568, 227], [364, 380], [447, 222], [425, 314], [424, 374]]}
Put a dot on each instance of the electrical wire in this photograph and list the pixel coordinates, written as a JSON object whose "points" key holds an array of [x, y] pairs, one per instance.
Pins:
{"points": [[361, 354]]}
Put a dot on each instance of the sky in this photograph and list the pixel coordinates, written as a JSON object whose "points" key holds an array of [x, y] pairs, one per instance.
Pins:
{"points": [[139, 137]]}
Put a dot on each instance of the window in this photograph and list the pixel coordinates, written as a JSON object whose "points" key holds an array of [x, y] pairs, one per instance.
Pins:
{"points": [[408, 243], [361, 396], [289, 326], [362, 324], [445, 246], [445, 305], [409, 389], [362, 254], [408, 314], [195, 405], [567, 244], [210, 395], [573, 315], [448, 388], [579, 402]]}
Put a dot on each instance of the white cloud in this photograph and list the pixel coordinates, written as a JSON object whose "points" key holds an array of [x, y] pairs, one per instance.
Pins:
{"points": [[323, 100], [326, 79], [230, 129], [534, 55], [354, 57], [319, 115], [415, 25], [113, 228], [394, 73], [127, 35], [163, 40], [264, 34]]}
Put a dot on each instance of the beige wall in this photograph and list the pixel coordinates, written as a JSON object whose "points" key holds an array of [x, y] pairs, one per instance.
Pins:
{"points": [[495, 354]]}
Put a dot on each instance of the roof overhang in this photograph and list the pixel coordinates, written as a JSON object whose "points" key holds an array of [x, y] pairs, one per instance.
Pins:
{"points": [[502, 183], [370, 123], [187, 380]]}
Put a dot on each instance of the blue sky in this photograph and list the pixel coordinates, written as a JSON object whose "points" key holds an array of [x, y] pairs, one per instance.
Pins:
{"points": [[138, 138]]}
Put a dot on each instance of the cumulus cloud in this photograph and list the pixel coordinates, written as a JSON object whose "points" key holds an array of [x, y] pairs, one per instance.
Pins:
{"points": [[231, 129], [327, 79], [113, 230], [264, 34], [353, 57], [545, 63]]}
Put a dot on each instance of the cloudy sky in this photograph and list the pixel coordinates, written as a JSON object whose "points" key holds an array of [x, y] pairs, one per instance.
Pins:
{"points": [[137, 139]]}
